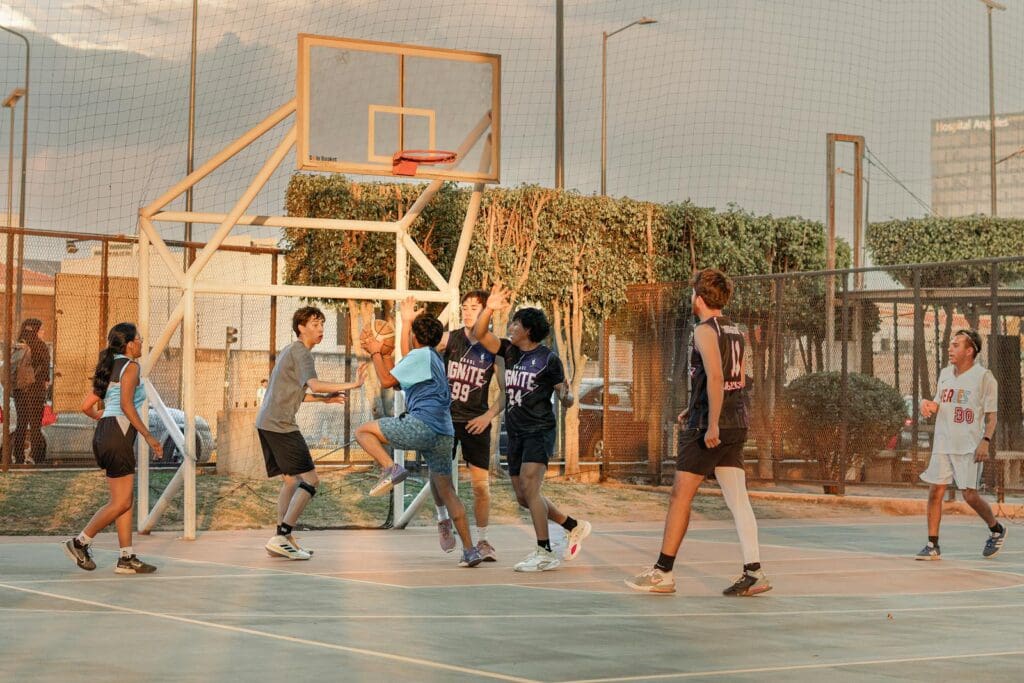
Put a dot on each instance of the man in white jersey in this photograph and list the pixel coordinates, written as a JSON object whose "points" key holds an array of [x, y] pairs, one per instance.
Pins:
{"points": [[965, 405]]}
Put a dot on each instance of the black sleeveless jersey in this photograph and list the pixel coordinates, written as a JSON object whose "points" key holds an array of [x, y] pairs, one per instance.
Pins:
{"points": [[470, 368], [730, 345]]}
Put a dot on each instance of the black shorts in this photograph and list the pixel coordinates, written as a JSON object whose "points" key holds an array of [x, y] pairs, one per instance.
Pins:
{"points": [[285, 453], [114, 446], [530, 447], [476, 448], [695, 457]]}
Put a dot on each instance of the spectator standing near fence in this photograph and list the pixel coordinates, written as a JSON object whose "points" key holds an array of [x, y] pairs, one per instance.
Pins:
{"points": [[31, 380], [965, 409], [712, 442]]}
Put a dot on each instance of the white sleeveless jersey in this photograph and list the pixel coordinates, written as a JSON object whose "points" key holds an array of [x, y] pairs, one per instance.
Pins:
{"points": [[963, 401]]}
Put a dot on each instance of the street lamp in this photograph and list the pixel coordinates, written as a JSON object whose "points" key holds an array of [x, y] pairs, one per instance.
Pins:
{"points": [[989, 6], [24, 162], [604, 94]]}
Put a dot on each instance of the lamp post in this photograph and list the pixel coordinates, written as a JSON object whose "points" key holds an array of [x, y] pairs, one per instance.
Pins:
{"points": [[989, 6], [604, 95], [9, 102], [24, 160]]}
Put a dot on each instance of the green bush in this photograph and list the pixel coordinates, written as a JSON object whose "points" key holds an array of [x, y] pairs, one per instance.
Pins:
{"points": [[874, 414]]}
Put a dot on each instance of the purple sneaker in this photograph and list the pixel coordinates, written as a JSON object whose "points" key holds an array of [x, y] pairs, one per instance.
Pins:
{"points": [[395, 474]]}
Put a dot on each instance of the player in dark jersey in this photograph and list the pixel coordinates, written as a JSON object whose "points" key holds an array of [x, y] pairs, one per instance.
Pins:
{"points": [[711, 443], [533, 373], [470, 368]]}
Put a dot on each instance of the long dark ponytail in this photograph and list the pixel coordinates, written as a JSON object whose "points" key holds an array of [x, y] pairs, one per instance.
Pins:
{"points": [[117, 339]]}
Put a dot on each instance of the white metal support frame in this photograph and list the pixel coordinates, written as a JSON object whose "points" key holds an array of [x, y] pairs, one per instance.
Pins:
{"points": [[185, 312]]}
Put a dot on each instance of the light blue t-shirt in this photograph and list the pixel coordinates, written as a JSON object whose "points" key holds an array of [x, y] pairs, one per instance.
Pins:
{"points": [[421, 375], [112, 401]]}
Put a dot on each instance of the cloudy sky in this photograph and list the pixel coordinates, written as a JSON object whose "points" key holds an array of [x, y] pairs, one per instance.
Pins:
{"points": [[721, 101]]}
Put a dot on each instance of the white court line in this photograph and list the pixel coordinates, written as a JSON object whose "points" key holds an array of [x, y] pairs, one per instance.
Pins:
{"points": [[877, 611], [121, 579], [797, 667], [274, 636]]}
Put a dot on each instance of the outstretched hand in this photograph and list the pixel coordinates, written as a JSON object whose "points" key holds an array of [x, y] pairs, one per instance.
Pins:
{"points": [[498, 300], [409, 311]]}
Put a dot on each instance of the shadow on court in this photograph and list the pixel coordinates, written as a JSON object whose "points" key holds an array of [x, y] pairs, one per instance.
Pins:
{"points": [[849, 603]]}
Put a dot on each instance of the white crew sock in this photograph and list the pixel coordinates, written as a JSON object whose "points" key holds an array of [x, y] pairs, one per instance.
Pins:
{"points": [[481, 533], [83, 539], [127, 551], [442, 513]]}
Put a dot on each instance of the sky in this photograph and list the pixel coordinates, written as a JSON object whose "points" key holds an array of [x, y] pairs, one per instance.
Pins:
{"points": [[720, 102]]}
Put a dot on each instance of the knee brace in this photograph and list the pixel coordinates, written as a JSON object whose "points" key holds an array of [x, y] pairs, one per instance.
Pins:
{"points": [[308, 488]]}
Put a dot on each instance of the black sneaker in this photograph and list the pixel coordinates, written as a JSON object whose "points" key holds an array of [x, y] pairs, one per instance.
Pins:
{"points": [[133, 565], [80, 554], [749, 583]]}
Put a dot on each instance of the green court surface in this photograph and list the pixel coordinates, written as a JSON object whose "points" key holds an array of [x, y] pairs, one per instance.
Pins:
{"points": [[849, 604]]}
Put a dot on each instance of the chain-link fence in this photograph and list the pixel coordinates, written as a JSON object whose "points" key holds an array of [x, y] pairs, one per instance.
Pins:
{"points": [[833, 401], [79, 285]]}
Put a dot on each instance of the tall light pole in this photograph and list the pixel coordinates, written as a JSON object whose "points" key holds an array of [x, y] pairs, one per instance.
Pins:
{"points": [[24, 160], [9, 102], [190, 154], [989, 6], [559, 94], [604, 95]]}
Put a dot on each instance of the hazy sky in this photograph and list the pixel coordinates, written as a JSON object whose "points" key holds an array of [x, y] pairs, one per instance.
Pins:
{"points": [[721, 101]]}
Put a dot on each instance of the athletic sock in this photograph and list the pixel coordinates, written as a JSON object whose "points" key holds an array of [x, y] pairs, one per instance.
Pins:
{"points": [[284, 529], [127, 551], [481, 533], [665, 562], [545, 544], [569, 524], [934, 540], [752, 567], [442, 513], [997, 529], [82, 540]]}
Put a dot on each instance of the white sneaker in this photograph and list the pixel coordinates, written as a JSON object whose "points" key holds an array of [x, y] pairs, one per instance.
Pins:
{"points": [[539, 560], [653, 580], [280, 546], [576, 537], [294, 543]]}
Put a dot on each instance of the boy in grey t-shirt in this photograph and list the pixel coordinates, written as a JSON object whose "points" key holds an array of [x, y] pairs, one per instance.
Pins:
{"points": [[284, 449]]}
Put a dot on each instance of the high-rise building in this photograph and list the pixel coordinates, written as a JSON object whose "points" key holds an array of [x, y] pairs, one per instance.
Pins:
{"points": [[961, 171]]}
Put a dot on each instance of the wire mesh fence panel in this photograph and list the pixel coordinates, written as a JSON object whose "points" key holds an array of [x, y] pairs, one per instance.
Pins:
{"points": [[830, 403]]}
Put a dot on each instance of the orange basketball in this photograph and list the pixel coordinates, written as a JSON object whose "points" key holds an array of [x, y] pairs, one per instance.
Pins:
{"points": [[384, 332]]}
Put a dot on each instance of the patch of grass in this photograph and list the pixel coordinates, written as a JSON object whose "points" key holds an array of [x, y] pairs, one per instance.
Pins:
{"points": [[58, 502]]}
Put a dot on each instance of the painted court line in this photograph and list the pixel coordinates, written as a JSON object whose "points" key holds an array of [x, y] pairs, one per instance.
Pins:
{"points": [[273, 636], [797, 667]]}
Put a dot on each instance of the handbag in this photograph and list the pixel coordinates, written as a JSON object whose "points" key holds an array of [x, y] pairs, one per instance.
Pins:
{"points": [[49, 417]]}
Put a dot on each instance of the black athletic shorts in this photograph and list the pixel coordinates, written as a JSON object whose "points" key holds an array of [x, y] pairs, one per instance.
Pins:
{"points": [[476, 448], [285, 453], [113, 445], [695, 457], [529, 447]]}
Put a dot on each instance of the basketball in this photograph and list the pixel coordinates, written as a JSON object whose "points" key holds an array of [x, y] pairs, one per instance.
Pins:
{"points": [[384, 332]]}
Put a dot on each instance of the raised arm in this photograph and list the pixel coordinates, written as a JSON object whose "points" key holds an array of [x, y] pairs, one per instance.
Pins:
{"points": [[497, 301], [409, 313], [382, 365]]}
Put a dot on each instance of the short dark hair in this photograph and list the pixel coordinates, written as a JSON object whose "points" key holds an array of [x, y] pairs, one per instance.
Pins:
{"points": [[478, 294], [428, 330], [304, 315], [535, 322], [973, 337], [713, 286]]}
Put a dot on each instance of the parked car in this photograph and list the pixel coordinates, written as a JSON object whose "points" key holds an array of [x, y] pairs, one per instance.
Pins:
{"points": [[70, 438], [626, 435]]}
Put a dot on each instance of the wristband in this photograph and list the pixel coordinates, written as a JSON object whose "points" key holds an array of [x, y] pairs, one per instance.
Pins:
{"points": [[376, 353], [985, 438]]}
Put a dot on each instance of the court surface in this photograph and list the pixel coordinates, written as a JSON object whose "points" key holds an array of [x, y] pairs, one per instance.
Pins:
{"points": [[849, 604]]}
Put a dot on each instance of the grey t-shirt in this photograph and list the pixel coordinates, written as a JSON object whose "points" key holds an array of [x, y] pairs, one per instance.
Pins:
{"points": [[287, 388]]}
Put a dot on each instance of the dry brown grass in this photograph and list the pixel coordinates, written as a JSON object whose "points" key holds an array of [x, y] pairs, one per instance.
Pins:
{"points": [[58, 502]]}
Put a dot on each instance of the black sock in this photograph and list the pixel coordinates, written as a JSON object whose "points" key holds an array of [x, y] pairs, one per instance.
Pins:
{"points": [[569, 524], [545, 544], [665, 562], [997, 529], [284, 529], [934, 540], [752, 567]]}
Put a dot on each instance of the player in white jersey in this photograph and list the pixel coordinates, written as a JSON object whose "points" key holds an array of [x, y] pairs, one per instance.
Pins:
{"points": [[965, 409]]}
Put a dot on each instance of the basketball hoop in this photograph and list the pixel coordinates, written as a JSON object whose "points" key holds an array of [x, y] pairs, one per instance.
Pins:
{"points": [[408, 160]]}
